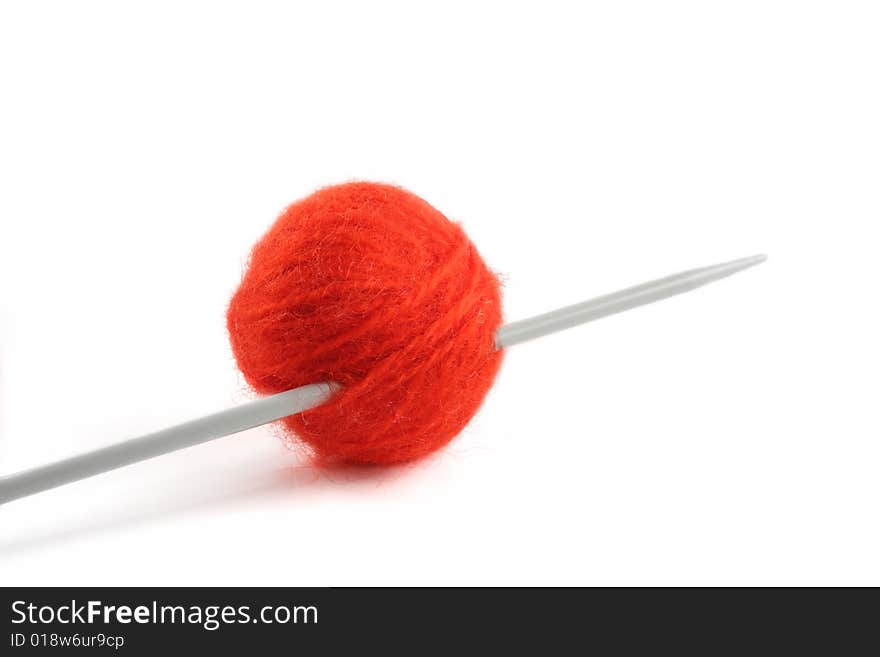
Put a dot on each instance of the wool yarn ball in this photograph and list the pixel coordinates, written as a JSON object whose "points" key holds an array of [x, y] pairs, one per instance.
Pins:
{"points": [[368, 285]]}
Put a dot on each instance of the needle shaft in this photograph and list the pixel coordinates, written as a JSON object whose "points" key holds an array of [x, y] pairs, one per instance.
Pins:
{"points": [[233, 420], [275, 407], [616, 302]]}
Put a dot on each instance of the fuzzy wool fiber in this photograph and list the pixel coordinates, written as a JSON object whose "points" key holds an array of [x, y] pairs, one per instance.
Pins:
{"points": [[367, 285]]}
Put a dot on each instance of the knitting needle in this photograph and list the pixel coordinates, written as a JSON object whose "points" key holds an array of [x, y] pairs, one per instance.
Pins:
{"points": [[233, 420], [616, 302], [278, 406]]}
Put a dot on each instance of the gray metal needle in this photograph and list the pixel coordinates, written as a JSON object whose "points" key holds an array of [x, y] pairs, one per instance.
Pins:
{"points": [[246, 416], [616, 302], [275, 407]]}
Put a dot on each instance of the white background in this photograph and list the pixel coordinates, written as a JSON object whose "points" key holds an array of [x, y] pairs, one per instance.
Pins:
{"points": [[728, 436]]}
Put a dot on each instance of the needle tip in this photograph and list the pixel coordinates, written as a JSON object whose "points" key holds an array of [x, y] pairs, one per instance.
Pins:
{"points": [[715, 272], [744, 263]]}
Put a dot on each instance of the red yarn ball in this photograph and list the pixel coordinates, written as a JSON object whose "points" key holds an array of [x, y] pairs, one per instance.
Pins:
{"points": [[368, 285]]}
